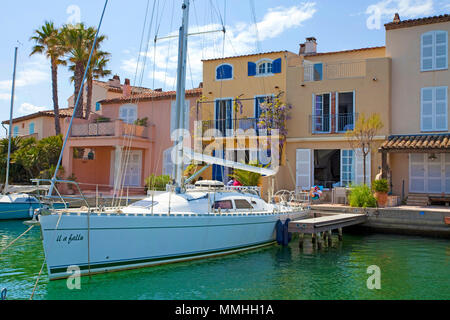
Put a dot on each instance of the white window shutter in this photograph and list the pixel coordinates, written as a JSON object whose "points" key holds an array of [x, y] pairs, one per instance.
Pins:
{"points": [[173, 115], [427, 51], [426, 113], [359, 167], [304, 172], [441, 106], [187, 114], [441, 50]]}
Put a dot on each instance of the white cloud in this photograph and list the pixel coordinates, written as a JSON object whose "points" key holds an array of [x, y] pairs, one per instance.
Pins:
{"points": [[240, 39], [28, 108], [5, 96], [405, 8]]}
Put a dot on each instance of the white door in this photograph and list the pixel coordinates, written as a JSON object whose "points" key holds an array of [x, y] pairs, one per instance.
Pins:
{"points": [[429, 173], [133, 169], [347, 167], [359, 168], [304, 172], [417, 172]]}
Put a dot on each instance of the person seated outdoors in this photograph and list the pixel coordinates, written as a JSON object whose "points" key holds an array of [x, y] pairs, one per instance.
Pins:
{"points": [[315, 193]]}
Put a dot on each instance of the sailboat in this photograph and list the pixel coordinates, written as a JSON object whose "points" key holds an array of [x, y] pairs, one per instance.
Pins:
{"points": [[15, 205], [203, 220]]}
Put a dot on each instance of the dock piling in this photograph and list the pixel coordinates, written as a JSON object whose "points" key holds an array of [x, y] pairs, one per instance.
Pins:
{"points": [[330, 238], [340, 234], [300, 240], [319, 241]]}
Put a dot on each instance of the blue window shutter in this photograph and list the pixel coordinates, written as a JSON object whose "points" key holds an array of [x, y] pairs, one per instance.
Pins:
{"points": [[251, 69], [224, 72], [97, 106], [276, 66]]}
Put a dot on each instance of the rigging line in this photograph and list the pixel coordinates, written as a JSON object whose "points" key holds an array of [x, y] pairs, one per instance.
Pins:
{"points": [[142, 40], [128, 141], [170, 45], [12, 242], [37, 280], [77, 101]]}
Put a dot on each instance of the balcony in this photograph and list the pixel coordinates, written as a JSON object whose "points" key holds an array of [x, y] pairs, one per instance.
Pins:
{"points": [[229, 127], [334, 70], [116, 128], [334, 123]]}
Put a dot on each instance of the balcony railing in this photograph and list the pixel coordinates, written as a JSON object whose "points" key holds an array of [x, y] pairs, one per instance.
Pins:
{"points": [[334, 70], [333, 123], [116, 128], [229, 127]]}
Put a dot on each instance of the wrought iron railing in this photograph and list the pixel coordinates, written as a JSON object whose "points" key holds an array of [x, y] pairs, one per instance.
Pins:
{"points": [[108, 129], [330, 123], [229, 127], [334, 70]]}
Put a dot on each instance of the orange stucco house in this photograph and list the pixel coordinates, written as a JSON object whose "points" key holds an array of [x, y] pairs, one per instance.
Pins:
{"points": [[124, 141]]}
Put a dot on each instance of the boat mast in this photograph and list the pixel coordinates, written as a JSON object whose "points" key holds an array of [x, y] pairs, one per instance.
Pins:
{"points": [[10, 122], [180, 106]]}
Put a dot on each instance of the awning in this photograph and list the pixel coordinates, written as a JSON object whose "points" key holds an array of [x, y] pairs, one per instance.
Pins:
{"points": [[417, 143]]}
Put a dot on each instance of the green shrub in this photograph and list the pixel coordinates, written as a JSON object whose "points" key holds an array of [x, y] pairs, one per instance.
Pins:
{"points": [[362, 197], [141, 122], [380, 186], [157, 183]]}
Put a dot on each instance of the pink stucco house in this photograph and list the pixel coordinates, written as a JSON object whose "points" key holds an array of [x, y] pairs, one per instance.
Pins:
{"points": [[124, 141]]}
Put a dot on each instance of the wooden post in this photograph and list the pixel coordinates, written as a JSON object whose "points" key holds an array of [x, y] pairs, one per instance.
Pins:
{"points": [[340, 234], [319, 241], [300, 240], [330, 239], [384, 165]]}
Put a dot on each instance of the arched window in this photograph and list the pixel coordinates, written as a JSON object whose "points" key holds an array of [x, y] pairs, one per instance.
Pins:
{"points": [[264, 67], [224, 72], [128, 113]]}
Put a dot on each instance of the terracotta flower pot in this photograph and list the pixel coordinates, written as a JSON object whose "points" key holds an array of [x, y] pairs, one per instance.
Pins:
{"points": [[382, 198]]}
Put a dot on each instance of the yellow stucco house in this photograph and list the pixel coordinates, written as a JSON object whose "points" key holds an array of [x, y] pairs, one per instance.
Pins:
{"points": [[234, 90], [417, 152]]}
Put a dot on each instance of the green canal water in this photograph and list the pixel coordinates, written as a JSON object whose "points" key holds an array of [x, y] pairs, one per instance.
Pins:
{"points": [[411, 268]]}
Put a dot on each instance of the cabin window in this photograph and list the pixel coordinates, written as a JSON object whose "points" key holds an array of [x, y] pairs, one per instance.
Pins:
{"points": [[242, 204], [224, 72], [223, 204]]}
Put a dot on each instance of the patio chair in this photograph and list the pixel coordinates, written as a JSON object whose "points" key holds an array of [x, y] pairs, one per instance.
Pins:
{"points": [[338, 193]]}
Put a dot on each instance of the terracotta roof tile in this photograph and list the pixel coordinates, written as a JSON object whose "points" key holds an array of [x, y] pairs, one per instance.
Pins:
{"points": [[417, 22], [247, 55], [344, 51], [154, 95], [425, 142], [63, 113]]}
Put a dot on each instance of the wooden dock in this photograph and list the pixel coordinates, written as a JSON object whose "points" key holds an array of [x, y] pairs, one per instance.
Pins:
{"points": [[322, 227]]}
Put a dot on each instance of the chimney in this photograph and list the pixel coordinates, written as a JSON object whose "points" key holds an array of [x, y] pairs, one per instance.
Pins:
{"points": [[311, 45], [115, 81], [126, 88], [396, 18], [302, 49]]}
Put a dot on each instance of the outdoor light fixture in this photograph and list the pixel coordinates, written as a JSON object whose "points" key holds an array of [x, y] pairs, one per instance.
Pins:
{"points": [[432, 157]]}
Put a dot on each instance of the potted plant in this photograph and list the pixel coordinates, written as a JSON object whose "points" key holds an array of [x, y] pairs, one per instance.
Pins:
{"points": [[140, 125], [381, 188]]}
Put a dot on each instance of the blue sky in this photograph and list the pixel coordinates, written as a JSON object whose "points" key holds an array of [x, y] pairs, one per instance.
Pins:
{"points": [[281, 25]]}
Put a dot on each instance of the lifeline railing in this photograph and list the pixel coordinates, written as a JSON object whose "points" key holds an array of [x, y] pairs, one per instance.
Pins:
{"points": [[60, 196]]}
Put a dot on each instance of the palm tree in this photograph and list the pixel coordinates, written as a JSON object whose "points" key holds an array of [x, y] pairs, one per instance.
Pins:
{"points": [[98, 70], [79, 41], [49, 42]]}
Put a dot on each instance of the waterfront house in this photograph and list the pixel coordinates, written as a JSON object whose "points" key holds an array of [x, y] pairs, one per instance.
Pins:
{"points": [[39, 125], [328, 91], [234, 88], [417, 151], [124, 141]]}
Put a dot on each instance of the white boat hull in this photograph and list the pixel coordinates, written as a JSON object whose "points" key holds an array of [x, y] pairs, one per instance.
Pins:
{"points": [[102, 243]]}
